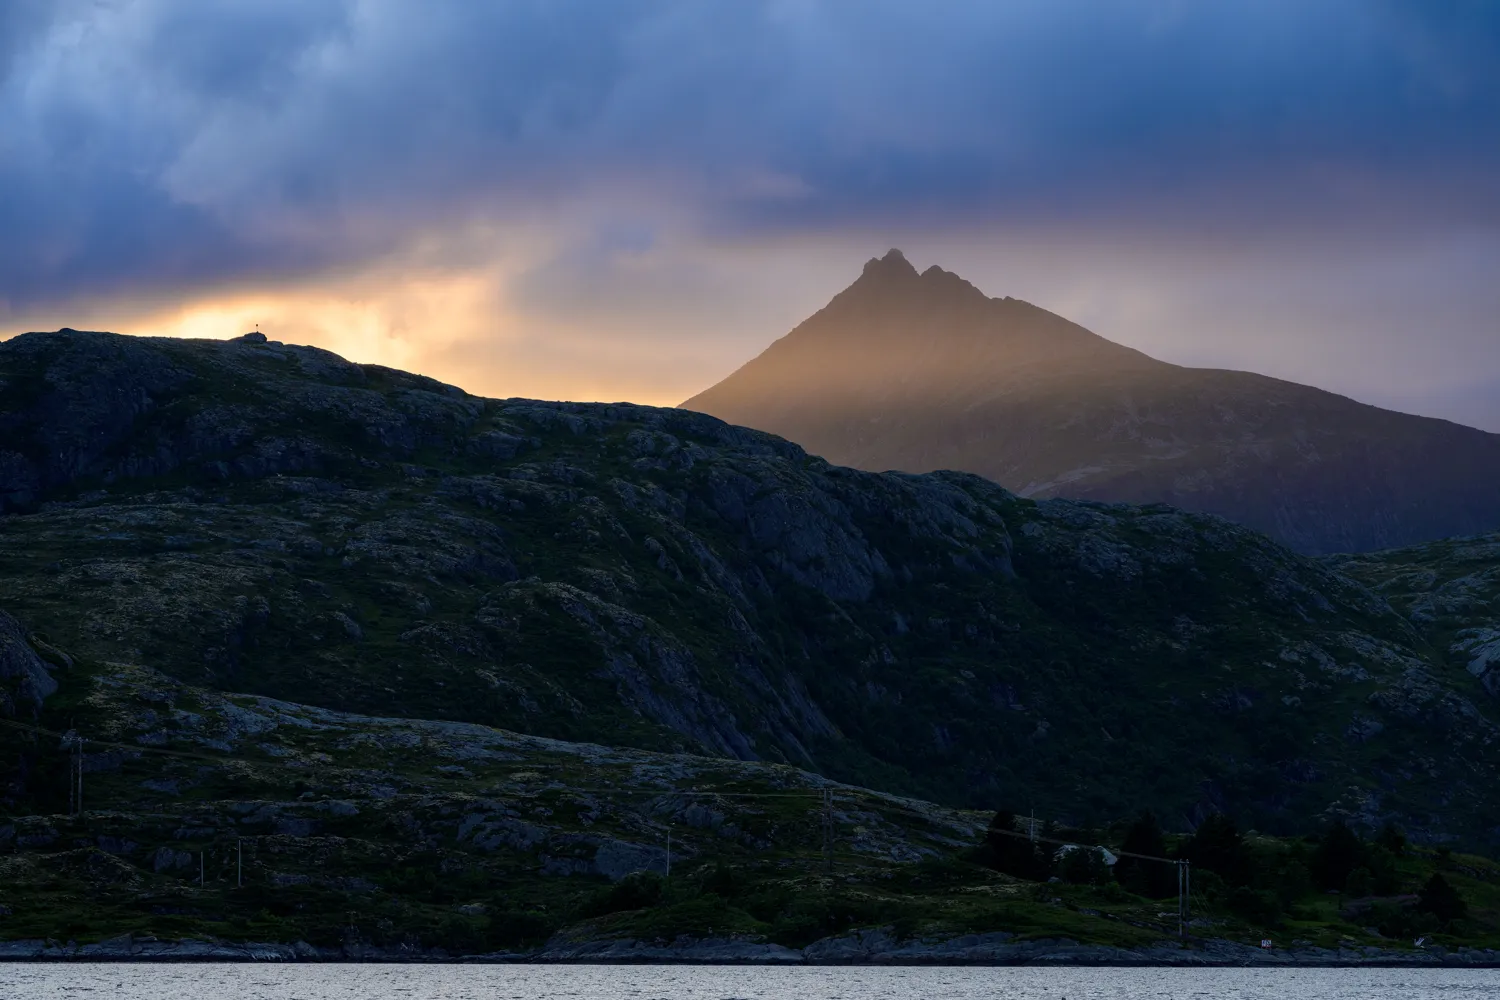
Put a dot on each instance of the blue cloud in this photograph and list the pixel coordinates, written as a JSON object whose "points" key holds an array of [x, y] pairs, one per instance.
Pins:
{"points": [[158, 144]]}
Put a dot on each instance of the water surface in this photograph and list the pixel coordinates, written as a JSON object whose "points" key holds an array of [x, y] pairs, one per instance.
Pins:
{"points": [[215, 981]]}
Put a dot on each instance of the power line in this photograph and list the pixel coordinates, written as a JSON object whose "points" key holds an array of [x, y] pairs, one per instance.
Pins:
{"points": [[76, 742], [1074, 843], [1183, 866], [825, 795]]}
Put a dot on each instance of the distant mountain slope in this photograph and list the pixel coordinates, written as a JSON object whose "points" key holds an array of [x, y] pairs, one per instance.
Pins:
{"points": [[274, 520], [923, 372]]}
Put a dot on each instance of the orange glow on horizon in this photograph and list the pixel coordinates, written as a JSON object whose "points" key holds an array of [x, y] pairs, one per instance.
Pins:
{"points": [[452, 327]]}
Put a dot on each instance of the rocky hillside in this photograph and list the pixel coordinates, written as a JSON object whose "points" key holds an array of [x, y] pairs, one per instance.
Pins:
{"points": [[273, 520], [1450, 591], [273, 821], [225, 826], [923, 371]]}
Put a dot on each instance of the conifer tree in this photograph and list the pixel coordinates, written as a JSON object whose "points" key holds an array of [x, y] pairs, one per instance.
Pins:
{"points": [[1439, 898], [1145, 878]]}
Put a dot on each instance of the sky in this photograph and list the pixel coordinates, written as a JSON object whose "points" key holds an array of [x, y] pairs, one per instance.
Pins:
{"points": [[612, 199]]}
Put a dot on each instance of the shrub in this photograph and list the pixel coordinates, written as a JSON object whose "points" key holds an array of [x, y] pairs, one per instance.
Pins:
{"points": [[1013, 854], [1083, 866], [1258, 906], [461, 935], [1360, 883], [1385, 877], [1146, 878], [1393, 920], [510, 928], [1284, 871], [721, 880], [818, 915], [1392, 839], [635, 891], [1217, 846], [1338, 853], [1439, 898]]}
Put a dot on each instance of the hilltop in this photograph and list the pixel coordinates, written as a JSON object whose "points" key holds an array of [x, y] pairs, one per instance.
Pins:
{"points": [[273, 520], [919, 372]]}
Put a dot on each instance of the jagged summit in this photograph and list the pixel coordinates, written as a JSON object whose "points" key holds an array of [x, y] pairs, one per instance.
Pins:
{"points": [[924, 371], [895, 274], [893, 263]]}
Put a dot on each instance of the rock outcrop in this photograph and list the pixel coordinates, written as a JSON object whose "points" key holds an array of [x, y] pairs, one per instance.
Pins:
{"points": [[25, 679]]}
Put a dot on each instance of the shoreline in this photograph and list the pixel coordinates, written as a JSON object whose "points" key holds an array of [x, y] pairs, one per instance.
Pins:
{"points": [[867, 948]]}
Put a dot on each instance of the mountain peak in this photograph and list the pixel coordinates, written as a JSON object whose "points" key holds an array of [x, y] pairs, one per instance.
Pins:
{"points": [[925, 371], [936, 277], [893, 264]]}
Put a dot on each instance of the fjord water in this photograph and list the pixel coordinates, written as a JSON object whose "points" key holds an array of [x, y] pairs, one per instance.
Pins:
{"points": [[617, 982]]}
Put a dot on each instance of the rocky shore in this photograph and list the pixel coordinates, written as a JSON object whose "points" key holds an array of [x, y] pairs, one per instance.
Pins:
{"points": [[865, 947]]}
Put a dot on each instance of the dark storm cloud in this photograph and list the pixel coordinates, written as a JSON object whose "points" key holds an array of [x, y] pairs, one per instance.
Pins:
{"points": [[166, 143], [1080, 110], [160, 143]]}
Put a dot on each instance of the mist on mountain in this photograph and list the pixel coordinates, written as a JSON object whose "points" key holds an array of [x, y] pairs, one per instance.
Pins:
{"points": [[922, 371]]}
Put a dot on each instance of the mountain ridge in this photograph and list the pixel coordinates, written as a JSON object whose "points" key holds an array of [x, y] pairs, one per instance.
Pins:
{"points": [[917, 372], [257, 517]]}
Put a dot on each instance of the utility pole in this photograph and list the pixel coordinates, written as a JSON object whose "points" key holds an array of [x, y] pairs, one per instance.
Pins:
{"points": [[1181, 927], [239, 862], [669, 852], [1187, 893], [828, 831], [1184, 895], [201, 871], [74, 744]]}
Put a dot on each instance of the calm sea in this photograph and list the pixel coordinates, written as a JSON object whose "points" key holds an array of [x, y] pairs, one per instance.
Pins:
{"points": [[608, 982]]}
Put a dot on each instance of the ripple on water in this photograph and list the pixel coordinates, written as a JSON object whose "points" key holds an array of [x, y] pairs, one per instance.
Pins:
{"points": [[117, 981]]}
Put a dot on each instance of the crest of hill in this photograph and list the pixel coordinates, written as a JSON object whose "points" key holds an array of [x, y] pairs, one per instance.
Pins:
{"points": [[269, 519], [918, 372]]}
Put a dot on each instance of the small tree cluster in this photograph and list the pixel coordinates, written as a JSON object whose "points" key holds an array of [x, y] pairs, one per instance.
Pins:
{"points": [[1259, 882], [1439, 898], [1082, 866], [1011, 851], [1344, 862], [1142, 877]]}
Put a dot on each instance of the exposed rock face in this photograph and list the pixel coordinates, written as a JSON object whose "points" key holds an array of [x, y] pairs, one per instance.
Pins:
{"points": [[24, 678], [923, 371], [278, 521], [1450, 591]]}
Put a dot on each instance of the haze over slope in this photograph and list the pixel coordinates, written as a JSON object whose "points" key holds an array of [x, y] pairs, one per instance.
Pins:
{"points": [[919, 372]]}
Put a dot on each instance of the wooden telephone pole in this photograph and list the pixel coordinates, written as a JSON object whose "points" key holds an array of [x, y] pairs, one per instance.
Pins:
{"points": [[1184, 896], [828, 831], [74, 744]]}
